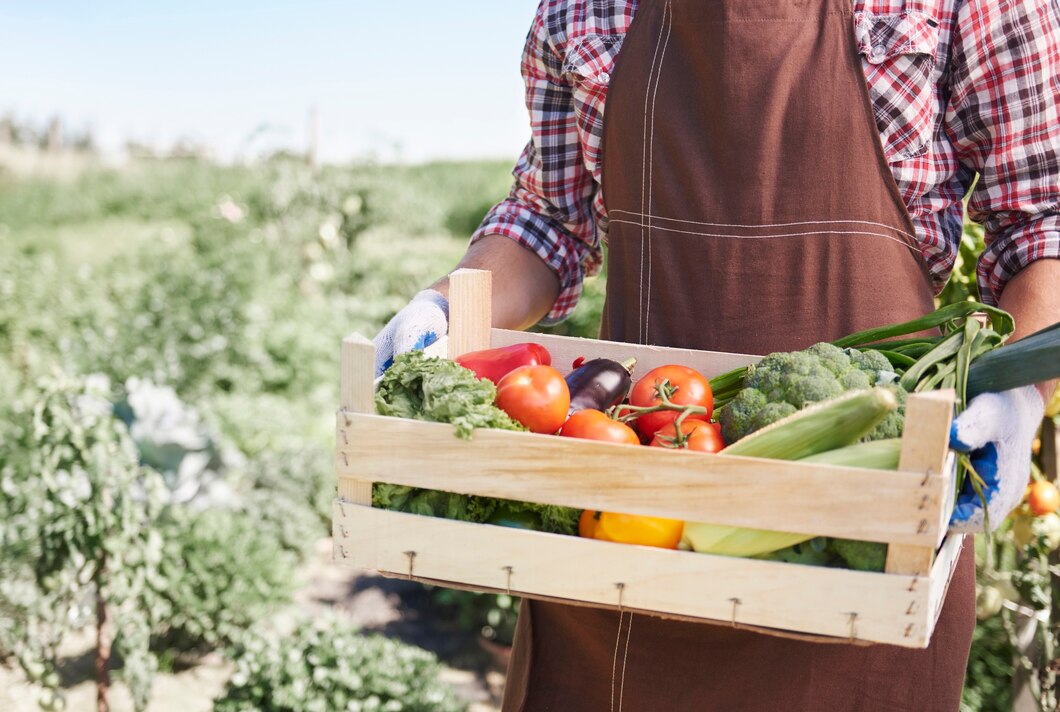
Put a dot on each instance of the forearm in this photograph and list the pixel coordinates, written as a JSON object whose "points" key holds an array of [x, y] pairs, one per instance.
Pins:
{"points": [[524, 287], [1033, 298]]}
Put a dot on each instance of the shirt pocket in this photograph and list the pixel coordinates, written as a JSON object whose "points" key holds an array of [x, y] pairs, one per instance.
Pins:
{"points": [[898, 54]]}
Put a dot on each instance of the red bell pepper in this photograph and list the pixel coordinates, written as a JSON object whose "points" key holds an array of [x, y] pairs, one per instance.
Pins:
{"points": [[495, 364]]}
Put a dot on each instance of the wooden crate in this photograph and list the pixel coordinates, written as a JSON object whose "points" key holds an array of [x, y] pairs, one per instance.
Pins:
{"points": [[907, 509]]}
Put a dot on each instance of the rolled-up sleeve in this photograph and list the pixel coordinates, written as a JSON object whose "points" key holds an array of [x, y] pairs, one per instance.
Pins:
{"points": [[550, 207], [1004, 120]]}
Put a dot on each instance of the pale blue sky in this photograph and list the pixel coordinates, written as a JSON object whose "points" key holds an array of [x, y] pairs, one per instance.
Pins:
{"points": [[410, 80]]}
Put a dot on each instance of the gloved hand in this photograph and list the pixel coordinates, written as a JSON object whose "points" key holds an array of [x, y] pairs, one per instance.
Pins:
{"points": [[997, 429], [417, 326]]}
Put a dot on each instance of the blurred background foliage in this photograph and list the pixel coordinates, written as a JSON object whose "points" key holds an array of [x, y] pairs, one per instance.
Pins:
{"points": [[204, 305]]}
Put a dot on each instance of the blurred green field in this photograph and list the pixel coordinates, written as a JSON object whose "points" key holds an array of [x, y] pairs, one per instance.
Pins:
{"points": [[233, 286]]}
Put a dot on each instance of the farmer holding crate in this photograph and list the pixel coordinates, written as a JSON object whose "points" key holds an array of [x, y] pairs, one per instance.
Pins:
{"points": [[769, 174]]}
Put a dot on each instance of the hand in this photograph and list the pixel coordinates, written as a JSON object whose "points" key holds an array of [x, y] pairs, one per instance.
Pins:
{"points": [[417, 326], [997, 429]]}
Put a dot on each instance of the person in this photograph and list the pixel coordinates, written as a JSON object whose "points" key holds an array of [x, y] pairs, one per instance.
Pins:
{"points": [[769, 174]]}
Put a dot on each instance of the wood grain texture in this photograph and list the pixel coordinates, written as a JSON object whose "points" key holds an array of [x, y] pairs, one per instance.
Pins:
{"points": [[925, 450], [942, 573], [357, 395], [565, 349], [470, 311], [722, 489], [807, 599]]}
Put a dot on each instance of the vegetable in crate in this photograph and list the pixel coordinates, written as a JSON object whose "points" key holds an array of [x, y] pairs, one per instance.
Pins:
{"points": [[536, 396], [495, 364], [785, 382], [681, 386], [817, 432], [600, 384], [596, 425], [438, 390]]}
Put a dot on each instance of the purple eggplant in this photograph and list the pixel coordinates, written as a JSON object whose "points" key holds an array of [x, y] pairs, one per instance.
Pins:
{"points": [[600, 384]]}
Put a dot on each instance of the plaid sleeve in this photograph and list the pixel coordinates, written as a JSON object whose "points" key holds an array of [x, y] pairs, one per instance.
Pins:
{"points": [[1004, 121], [550, 207]]}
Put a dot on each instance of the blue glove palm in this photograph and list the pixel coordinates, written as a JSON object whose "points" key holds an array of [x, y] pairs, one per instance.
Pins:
{"points": [[997, 430]]}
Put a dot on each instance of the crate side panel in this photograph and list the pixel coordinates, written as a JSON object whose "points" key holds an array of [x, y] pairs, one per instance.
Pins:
{"points": [[941, 575], [736, 491], [797, 598]]}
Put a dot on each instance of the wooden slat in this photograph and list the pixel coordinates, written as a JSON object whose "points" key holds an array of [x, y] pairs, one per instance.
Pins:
{"points": [[470, 302], [925, 449], [565, 349], [357, 395], [808, 599], [942, 573], [738, 491]]}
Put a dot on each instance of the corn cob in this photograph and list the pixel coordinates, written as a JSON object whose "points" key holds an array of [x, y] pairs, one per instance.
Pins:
{"points": [[813, 434]]}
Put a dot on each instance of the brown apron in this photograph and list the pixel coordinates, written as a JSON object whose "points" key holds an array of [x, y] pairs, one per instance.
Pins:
{"points": [[751, 209]]}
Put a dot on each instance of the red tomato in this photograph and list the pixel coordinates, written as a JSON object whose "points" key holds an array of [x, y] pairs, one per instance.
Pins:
{"points": [[536, 396], [690, 388], [595, 425], [701, 437], [1043, 498]]}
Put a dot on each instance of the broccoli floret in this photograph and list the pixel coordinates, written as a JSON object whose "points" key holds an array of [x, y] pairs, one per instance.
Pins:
{"points": [[861, 555], [784, 382]]}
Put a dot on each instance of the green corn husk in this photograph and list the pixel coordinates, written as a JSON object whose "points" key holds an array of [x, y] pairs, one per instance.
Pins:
{"points": [[810, 434], [877, 454]]}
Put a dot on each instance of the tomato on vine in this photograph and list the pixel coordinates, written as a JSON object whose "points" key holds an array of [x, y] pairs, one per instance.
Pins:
{"points": [[695, 435], [682, 386]]}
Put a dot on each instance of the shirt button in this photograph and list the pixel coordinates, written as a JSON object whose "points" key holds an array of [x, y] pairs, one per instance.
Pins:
{"points": [[605, 77], [878, 53]]}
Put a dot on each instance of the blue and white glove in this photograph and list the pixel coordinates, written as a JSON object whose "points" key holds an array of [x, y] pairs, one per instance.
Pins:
{"points": [[997, 429], [422, 322]]}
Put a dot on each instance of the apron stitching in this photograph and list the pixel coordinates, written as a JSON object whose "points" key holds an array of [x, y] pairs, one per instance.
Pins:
{"points": [[614, 660], [668, 19], [764, 237], [625, 655], [643, 189], [750, 225]]}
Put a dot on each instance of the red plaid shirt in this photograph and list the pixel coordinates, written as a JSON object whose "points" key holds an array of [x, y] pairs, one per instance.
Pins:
{"points": [[959, 87]]}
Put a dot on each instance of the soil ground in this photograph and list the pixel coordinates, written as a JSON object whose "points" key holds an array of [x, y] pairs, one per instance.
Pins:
{"points": [[398, 609]]}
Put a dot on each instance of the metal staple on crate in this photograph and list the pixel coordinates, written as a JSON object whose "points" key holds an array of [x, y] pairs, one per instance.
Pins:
{"points": [[508, 586], [621, 589], [853, 626], [923, 526], [342, 550], [345, 459], [342, 507], [345, 417], [914, 582], [412, 558], [912, 608], [735, 604], [345, 437], [909, 630]]}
